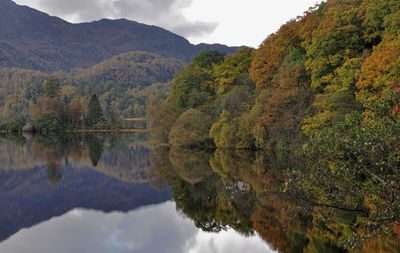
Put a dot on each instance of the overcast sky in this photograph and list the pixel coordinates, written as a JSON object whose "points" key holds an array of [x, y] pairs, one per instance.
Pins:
{"points": [[231, 22]]}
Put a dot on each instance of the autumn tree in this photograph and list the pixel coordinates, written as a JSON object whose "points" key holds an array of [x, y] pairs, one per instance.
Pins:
{"points": [[75, 111], [52, 87]]}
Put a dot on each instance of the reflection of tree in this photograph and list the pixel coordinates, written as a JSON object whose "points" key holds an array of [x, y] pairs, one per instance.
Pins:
{"points": [[53, 173], [202, 196], [123, 156], [50, 148], [15, 138], [298, 210], [192, 166], [95, 145]]}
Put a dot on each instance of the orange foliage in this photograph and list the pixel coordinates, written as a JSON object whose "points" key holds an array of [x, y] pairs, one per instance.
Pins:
{"points": [[272, 52], [380, 72], [396, 229], [269, 228], [51, 104]]}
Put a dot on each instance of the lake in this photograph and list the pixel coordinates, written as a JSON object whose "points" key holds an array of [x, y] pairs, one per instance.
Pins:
{"points": [[120, 193]]}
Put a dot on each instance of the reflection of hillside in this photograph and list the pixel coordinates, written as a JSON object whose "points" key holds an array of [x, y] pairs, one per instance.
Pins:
{"points": [[128, 164], [17, 157], [124, 157], [31, 199]]}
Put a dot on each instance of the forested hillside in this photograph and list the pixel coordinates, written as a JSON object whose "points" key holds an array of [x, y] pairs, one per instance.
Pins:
{"points": [[333, 70], [123, 84], [32, 39]]}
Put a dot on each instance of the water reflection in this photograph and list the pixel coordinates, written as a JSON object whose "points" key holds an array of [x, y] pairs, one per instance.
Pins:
{"points": [[289, 206], [44, 177], [124, 157], [237, 197], [152, 229]]}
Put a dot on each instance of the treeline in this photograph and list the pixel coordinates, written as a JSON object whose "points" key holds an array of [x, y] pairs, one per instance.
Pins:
{"points": [[123, 84], [54, 113], [337, 64]]}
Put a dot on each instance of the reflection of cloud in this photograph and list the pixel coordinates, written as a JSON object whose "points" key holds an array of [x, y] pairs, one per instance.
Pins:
{"points": [[227, 241], [152, 229]]}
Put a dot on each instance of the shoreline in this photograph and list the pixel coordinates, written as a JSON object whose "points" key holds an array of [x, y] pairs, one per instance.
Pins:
{"points": [[107, 130], [93, 131]]}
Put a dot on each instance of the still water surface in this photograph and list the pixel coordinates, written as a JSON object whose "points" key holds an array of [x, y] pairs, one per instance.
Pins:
{"points": [[119, 193], [96, 193]]}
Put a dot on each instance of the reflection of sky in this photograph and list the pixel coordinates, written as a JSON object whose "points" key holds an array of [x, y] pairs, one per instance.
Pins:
{"points": [[152, 229]]}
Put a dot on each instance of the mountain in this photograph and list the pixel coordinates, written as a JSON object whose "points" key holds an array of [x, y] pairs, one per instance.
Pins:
{"points": [[34, 40]]}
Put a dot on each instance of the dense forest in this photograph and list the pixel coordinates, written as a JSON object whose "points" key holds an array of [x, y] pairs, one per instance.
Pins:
{"points": [[319, 103], [331, 69], [123, 85]]}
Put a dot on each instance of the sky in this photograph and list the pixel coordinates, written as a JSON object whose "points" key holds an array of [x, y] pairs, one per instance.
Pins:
{"points": [[230, 22]]}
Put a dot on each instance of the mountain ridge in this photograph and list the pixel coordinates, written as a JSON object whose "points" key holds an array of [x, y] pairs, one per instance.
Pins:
{"points": [[35, 40]]}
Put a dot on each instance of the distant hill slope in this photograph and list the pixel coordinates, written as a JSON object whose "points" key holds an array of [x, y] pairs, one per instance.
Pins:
{"points": [[133, 69], [119, 78], [34, 40]]}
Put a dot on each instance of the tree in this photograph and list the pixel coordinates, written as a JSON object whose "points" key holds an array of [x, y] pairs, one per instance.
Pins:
{"points": [[95, 113], [52, 87], [191, 130], [207, 58], [75, 110]]}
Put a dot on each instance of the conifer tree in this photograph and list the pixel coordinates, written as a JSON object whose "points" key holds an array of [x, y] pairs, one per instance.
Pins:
{"points": [[95, 113]]}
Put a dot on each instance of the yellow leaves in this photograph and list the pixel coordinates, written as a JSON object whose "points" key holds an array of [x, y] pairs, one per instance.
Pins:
{"points": [[368, 203], [380, 73], [68, 90]]}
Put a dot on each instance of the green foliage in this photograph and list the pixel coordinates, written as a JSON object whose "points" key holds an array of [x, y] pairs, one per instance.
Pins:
{"points": [[337, 38], [191, 130], [52, 87], [233, 70], [123, 84], [189, 80], [50, 122], [95, 112], [223, 132], [13, 125], [162, 116], [206, 59]]}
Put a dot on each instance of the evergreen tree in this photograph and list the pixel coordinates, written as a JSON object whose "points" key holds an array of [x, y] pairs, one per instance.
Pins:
{"points": [[95, 113]]}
